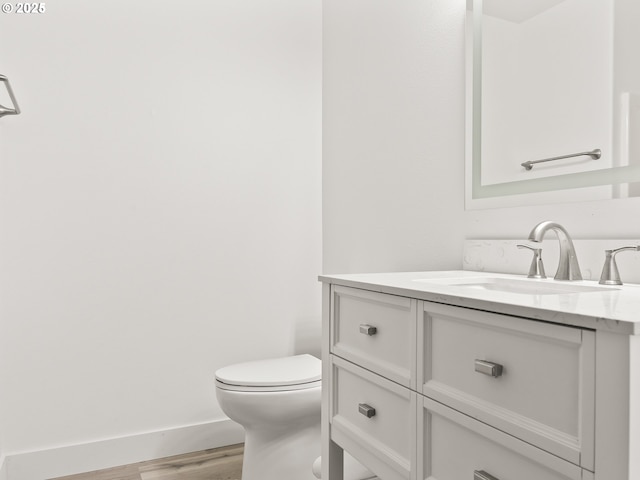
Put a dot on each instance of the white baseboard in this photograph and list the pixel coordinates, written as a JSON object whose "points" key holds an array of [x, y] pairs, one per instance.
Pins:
{"points": [[87, 457], [3, 470]]}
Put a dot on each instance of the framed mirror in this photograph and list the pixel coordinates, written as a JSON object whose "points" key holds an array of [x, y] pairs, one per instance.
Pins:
{"points": [[553, 101]]}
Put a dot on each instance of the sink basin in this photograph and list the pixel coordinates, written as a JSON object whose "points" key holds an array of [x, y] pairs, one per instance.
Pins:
{"points": [[508, 285]]}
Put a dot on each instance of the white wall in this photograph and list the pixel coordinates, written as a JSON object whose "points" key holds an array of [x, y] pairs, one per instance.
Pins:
{"points": [[393, 135], [160, 209]]}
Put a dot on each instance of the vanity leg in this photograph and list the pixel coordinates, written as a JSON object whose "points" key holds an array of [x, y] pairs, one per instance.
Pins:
{"points": [[332, 454], [332, 468]]}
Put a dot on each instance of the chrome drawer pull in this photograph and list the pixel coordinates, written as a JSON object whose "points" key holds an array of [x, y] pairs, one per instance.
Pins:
{"points": [[368, 329], [482, 475], [488, 368], [366, 410]]}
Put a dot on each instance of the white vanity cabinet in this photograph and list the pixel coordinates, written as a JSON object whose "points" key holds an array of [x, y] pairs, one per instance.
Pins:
{"points": [[418, 387]]}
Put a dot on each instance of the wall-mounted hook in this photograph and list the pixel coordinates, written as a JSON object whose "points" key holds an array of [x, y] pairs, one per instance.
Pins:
{"points": [[9, 111]]}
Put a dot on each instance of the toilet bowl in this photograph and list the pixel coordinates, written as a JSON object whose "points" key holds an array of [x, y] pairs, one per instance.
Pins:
{"points": [[277, 401]]}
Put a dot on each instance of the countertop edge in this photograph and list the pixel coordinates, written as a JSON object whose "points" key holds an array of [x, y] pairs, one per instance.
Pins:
{"points": [[540, 314]]}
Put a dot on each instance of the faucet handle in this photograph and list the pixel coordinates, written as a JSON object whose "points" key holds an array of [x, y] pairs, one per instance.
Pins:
{"points": [[610, 274], [536, 270]]}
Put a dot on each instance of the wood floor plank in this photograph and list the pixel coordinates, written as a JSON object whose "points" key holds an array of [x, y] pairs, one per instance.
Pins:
{"points": [[223, 463], [218, 464], [194, 457], [225, 468]]}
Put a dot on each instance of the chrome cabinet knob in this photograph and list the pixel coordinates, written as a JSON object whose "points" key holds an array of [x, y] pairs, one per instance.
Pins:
{"points": [[368, 329], [488, 368], [366, 410]]}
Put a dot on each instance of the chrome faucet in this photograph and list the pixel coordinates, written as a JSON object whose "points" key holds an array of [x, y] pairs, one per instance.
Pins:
{"points": [[568, 268]]}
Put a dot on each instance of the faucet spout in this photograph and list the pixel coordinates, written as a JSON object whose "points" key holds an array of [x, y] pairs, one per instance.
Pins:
{"points": [[568, 268]]}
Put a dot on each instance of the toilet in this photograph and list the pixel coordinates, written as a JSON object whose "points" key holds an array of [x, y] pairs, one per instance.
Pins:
{"points": [[277, 401]]}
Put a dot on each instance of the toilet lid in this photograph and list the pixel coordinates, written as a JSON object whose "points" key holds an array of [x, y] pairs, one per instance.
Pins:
{"points": [[273, 372]]}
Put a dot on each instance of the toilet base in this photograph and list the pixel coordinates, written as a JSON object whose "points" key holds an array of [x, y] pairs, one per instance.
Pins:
{"points": [[269, 455], [282, 431], [353, 470]]}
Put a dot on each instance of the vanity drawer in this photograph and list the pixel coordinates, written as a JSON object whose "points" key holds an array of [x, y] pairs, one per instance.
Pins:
{"points": [[544, 393], [376, 331], [457, 447], [373, 419]]}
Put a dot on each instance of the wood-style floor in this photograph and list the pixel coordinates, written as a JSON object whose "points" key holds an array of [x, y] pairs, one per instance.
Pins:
{"points": [[215, 464]]}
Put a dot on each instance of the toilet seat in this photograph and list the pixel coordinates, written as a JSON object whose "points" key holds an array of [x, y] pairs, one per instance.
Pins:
{"points": [[279, 388], [298, 372]]}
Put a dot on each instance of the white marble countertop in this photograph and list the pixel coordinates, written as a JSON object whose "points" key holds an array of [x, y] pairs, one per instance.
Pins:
{"points": [[610, 308]]}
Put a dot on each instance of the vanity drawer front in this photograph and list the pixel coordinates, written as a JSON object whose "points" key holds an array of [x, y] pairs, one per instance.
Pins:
{"points": [[376, 331], [455, 447], [545, 391], [373, 419]]}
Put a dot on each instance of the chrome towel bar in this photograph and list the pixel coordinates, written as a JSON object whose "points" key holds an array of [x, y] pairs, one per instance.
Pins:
{"points": [[594, 154], [9, 111]]}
